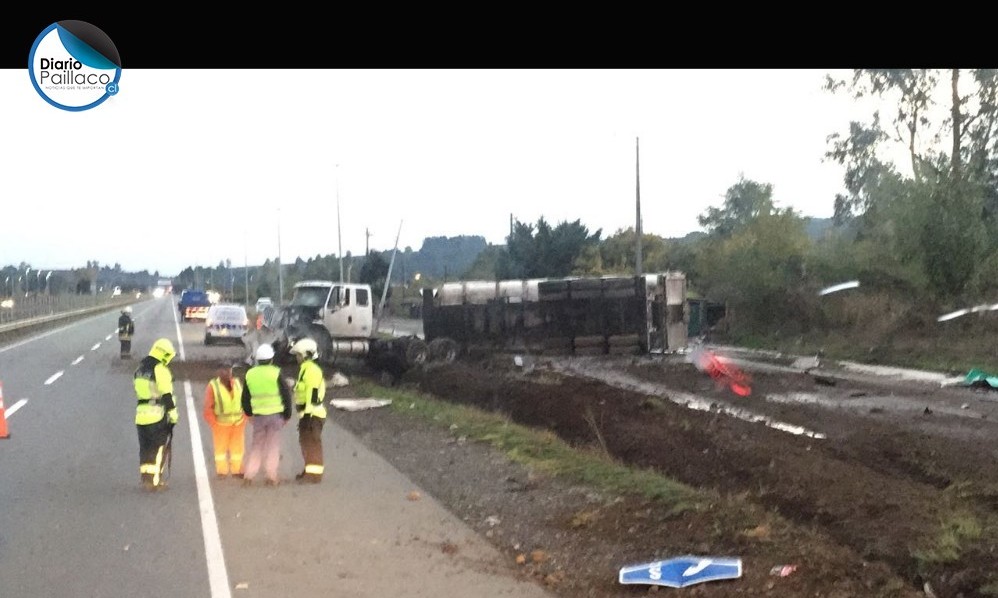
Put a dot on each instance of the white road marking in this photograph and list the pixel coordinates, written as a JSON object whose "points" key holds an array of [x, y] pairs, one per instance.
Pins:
{"points": [[94, 348], [13, 408], [77, 360], [218, 577], [108, 337], [694, 569], [54, 377]]}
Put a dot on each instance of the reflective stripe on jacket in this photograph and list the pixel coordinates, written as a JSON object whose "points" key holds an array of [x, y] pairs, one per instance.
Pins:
{"points": [[263, 381], [309, 378], [150, 385], [228, 405]]}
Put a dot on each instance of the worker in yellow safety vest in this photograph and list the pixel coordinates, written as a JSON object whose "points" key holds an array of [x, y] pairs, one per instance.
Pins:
{"points": [[223, 410], [310, 393], [156, 413], [268, 401]]}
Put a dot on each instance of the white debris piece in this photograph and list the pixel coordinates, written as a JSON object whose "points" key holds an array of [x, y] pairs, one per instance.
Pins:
{"points": [[359, 404], [852, 284], [338, 379]]}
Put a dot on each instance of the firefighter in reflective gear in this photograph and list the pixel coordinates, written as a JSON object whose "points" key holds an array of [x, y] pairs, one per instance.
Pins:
{"points": [[268, 401], [156, 412], [126, 328], [310, 392], [223, 410]]}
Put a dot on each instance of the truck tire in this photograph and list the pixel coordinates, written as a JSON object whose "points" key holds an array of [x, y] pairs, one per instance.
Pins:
{"points": [[324, 342], [443, 349], [416, 352]]}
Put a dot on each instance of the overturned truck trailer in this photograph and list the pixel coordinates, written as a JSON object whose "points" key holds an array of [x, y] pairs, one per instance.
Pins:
{"points": [[574, 316]]}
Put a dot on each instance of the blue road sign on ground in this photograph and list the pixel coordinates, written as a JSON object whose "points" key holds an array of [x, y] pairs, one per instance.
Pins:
{"points": [[682, 571]]}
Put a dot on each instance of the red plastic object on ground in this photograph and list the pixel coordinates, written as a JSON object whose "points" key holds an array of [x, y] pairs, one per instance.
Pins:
{"points": [[722, 372]]}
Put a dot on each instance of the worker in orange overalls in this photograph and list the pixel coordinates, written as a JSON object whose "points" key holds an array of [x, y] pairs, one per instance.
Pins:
{"points": [[223, 410]]}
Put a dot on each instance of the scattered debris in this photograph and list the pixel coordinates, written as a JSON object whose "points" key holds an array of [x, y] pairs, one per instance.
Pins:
{"points": [[852, 284], [857, 394], [538, 556], [965, 406], [492, 520], [521, 559], [965, 311], [359, 404], [242, 585], [876, 409], [760, 532], [927, 411], [338, 380], [782, 570], [448, 547], [980, 379], [682, 571], [721, 370], [825, 380], [413, 495]]}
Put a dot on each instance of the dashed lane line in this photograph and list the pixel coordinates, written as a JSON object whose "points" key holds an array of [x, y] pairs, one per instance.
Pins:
{"points": [[54, 377], [13, 408], [95, 347], [77, 360]]}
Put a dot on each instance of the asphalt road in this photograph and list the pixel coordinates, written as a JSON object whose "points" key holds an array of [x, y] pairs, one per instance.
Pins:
{"points": [[75, 522]]}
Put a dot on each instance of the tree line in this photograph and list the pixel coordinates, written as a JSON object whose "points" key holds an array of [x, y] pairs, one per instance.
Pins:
{"points": [[923, 230]]}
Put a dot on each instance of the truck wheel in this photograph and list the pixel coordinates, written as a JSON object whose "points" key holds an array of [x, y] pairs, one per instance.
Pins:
{"points": [[443, 349], [324, 342], [416, 352]]}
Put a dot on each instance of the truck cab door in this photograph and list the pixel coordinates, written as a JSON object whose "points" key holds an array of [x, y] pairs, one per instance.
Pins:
{"points": [[344, 317]]}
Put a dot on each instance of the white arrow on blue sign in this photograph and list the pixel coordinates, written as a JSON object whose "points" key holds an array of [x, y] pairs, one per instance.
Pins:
{"points": [[682, 571]]}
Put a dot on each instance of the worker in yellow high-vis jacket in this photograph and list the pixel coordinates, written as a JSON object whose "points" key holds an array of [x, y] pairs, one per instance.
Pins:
{"points": [[310, 392], [267, 400], [156, 413], [223, 410]]}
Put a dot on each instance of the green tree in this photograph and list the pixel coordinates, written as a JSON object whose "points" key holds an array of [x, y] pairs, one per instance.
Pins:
{"points": [[373, 272], [544, 251], [743, 202], [753, 258], [941, 218]]}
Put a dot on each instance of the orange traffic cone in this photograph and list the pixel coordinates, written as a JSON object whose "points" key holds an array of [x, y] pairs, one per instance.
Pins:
{"points": [[3, 417]]}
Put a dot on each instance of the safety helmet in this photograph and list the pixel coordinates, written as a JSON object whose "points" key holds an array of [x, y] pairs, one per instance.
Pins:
{"points": [[127, 310], [306, 347], [265, 352], [162, 350]]}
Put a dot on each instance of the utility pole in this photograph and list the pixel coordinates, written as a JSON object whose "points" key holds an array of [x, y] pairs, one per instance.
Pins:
{"points": [[367, 241], [280, 269], [245, 267], [388, 279], [339, 230], [637, 226]]}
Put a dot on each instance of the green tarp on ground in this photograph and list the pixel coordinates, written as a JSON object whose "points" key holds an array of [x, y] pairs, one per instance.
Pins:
{"points": [[976, 377]]}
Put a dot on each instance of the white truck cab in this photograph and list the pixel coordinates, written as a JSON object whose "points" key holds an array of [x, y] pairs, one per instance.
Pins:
{"points": [[345, 309]]}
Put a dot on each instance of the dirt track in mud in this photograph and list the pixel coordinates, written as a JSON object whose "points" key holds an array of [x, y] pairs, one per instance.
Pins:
{"points": [[889, 467]]}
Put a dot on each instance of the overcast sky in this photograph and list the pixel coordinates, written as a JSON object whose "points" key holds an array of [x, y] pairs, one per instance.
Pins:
{"points": [[192, 167]]}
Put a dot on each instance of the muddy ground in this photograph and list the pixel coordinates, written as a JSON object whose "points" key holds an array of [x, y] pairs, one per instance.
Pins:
{"points": [[869, 489]]}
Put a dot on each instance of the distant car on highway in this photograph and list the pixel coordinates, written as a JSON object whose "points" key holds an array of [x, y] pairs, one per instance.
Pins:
{"points": [[225, 322], [263, 302]]}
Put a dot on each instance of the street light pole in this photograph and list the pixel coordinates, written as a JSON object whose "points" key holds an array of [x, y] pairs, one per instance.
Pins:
{"points": [[280, 270]]}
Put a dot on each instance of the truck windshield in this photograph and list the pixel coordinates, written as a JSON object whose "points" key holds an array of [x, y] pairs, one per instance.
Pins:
{"points": [[310, 296]]}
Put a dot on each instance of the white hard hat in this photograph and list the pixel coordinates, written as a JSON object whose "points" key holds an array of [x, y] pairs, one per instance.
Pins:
{"points": [[305, 347], [128, 309], [265, 352]]}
